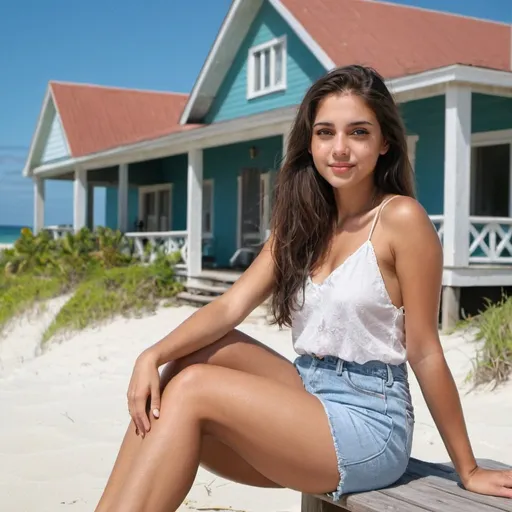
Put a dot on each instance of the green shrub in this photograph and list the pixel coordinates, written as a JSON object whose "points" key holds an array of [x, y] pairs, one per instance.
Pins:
{"points": [[118, 291], [493, 361], [99, 266]]}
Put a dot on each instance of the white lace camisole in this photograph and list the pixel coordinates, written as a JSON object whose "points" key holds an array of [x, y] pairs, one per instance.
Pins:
{"points": [[350, 314]]}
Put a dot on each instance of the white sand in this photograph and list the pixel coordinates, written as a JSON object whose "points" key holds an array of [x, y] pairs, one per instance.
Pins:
{"points": [[64, 414]]}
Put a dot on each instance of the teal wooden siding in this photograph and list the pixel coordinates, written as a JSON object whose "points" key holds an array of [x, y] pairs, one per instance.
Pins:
{"points": [[223, 165], [490, 113], [111, 207], [55, 146], [302, 69], [425, 118], [174, 170]]}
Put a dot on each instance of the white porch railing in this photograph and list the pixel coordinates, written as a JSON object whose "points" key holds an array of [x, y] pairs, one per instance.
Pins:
{"points": [[438, 221], [490, 240], [147, 245], [58, 231]]}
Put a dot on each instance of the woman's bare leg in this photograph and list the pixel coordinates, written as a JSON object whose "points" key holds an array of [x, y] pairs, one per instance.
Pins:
{"points": [[236, 351], [281, 431]]}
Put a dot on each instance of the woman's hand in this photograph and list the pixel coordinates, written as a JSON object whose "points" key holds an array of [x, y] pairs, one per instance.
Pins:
{"points": [[492, 482], [145, 382]]}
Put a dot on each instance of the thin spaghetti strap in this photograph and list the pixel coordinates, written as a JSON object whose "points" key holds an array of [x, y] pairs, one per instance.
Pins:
{"points": [[377, 215]]}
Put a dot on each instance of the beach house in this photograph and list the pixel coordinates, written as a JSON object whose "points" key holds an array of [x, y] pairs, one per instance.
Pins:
{"points": [[196, 171]]}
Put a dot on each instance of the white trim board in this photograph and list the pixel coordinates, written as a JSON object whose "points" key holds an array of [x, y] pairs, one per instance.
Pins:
{"points": [[274, 122], [499, 275], [267, 124], [43, 127]]}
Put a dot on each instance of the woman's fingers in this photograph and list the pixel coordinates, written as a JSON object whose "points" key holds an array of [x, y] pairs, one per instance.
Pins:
{"points": [[155, 397]]}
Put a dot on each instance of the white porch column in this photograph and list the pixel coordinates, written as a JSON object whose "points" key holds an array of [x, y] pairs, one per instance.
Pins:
{"points": [[457, 175], [194, 211], [457, 183], [38, 204], [90, 207], [79, 199], [122, 199]]}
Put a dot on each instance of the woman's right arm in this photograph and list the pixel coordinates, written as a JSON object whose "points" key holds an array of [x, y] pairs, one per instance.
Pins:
{"points": [[204, 327], [211, 322]]}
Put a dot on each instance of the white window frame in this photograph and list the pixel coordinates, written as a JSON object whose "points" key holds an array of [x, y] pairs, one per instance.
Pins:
{"points": [[495, 138], [251, 91], [208, 234], [155, 188]]}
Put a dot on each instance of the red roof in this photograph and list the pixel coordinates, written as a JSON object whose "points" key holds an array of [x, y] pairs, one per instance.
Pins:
{"points": [[399, 40], [97, 118]]}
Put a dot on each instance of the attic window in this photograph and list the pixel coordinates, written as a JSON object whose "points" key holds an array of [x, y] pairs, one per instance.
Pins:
{"points": [[266, 70]]}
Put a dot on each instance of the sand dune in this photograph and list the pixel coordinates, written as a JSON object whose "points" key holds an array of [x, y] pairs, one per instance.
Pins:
{"points": [[64, 414]]}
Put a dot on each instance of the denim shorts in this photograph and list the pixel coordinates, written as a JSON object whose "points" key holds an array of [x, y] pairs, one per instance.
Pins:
{"points": [[371, 418]]}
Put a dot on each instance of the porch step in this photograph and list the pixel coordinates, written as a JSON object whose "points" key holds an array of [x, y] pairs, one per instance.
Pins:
{"points": [[205, 288], [195, 298]]}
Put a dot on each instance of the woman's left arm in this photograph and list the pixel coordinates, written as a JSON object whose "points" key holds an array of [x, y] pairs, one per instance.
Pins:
{"points": [[419, 267]]}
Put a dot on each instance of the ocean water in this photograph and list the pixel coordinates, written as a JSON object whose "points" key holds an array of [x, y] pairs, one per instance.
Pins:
{"points": [[9, 234]]}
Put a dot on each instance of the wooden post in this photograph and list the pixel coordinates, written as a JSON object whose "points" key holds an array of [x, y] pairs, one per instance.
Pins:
{"points": [[39, 190], [79, 199], [122, 199], [450, 307], [311, 503], [195, 212]]}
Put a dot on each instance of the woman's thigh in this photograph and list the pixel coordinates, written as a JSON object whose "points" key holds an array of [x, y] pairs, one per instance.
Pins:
{"points": [[237, 351], [281, 431]]}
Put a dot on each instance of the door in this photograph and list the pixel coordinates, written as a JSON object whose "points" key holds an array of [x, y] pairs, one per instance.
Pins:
{"points": [[254, 206], [155, 208]]}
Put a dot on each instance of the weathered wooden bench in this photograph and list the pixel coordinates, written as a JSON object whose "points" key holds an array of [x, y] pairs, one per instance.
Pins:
{"points": [[425, 487]]}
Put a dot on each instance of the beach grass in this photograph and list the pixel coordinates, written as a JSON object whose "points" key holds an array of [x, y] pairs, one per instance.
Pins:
{"points": [[98, 268], [493, 359], [129, 291]]}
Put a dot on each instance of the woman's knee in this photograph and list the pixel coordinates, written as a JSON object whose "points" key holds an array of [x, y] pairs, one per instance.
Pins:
{"points": [[202, 356], [186, 388]]}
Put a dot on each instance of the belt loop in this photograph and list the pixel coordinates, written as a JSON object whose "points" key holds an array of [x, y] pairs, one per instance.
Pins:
{"points": [[390, 379], [339, 367]]}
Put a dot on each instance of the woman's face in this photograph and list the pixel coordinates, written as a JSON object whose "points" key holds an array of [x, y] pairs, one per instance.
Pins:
{"points": [[346, 141]]}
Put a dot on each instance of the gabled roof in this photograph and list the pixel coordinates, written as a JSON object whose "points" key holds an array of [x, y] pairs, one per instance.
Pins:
{"points": [[96, 118], [397, 40]]}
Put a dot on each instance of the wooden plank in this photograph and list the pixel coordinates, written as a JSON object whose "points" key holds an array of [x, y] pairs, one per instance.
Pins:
{"points": [[417, 492], [371, 501], [426, 486], [498, 504]]}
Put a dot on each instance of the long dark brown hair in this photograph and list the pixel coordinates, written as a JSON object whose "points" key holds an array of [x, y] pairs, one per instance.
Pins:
{"points": [[305, 214]]}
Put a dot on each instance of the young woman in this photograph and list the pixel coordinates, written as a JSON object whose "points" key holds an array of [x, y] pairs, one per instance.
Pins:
{"points": [[352, 264]]}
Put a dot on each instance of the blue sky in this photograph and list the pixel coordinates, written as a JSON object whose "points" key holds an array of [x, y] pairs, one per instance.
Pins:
{"points": [[159, 45]]}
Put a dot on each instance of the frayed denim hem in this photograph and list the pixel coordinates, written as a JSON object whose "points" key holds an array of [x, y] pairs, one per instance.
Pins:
{"points": [[335, 495]]}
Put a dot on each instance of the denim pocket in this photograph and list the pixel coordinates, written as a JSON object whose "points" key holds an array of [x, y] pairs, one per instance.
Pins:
{"points": [[363, 383]]}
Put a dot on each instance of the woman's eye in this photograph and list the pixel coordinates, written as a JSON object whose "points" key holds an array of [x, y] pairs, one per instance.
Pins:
{"points": [[360, 132]]}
